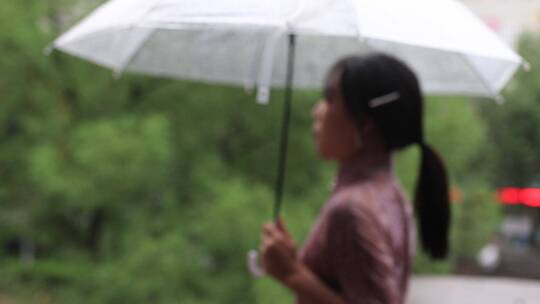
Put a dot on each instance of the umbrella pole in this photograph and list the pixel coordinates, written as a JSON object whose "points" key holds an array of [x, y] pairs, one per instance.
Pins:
{"points": [[280, 179]]}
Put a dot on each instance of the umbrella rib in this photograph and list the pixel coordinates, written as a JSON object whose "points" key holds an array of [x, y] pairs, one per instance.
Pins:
{"points": [[249, 82], [359, 34], [266, 69], [136, 50], [491, 91]]}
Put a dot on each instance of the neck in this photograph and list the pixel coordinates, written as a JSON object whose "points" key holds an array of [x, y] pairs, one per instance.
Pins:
{"points": [[364, 163]]}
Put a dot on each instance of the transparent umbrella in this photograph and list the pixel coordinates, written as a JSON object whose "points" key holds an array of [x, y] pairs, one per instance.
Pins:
{"points": [[261, 44], [245, 42]]}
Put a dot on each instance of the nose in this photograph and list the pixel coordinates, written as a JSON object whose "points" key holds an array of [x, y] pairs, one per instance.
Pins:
{"points": [[317, 109]]}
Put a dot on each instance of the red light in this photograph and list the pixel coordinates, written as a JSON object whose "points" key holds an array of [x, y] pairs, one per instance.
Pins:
{"points": [[513, 196], [530, 197], [510, 196]]}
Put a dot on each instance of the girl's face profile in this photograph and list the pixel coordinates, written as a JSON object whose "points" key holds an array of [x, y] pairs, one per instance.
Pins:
{"points": [[336, 135]]}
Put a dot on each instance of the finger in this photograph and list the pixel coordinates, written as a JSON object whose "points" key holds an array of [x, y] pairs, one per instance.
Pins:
{"points": [[268, 238], [264, 237], [271, 230], [271, 234], [282, 227], [280, 224], [263, 248], [268, 233], [266, 230], [266, 248], [268, 226]]}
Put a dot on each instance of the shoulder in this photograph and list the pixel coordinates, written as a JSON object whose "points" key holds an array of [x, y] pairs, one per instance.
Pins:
{"points": [[353, 220], [352, 203]]}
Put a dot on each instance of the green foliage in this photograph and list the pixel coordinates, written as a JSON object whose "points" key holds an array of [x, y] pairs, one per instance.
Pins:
{"points": [[514, 125], [87, 163], [514, 135], [475, 221]]}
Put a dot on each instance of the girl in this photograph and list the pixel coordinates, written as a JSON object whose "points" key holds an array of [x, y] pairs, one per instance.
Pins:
{"points": [[360, 248]]}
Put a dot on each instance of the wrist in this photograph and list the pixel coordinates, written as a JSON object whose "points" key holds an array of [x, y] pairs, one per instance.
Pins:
{"points": [[297, 277]]}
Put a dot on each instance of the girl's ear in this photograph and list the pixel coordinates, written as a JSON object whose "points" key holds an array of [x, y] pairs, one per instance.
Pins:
{"points": [[367, 126]]}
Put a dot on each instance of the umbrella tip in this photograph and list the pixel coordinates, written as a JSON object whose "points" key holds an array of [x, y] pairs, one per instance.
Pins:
{"points": [[526, 66], [263, 95], [48, 50]]}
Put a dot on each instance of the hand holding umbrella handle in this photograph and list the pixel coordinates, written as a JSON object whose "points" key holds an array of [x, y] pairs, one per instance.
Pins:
{"points": [[252, 260]]}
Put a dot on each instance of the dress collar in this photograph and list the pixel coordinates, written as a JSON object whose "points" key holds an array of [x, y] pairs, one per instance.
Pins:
{"points": [[361, 167]]}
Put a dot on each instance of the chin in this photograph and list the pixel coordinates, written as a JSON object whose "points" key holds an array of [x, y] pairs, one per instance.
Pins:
{"points": [[324, 154], [323, 151]]}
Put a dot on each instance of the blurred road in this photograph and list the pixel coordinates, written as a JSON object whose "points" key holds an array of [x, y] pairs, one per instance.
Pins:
{"points": [[472, 290]]}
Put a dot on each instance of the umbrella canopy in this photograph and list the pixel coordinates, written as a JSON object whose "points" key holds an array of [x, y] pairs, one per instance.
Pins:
{"points": [[244, 42]]}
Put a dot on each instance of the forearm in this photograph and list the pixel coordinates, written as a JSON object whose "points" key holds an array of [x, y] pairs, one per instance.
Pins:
{"points": [[308, 286]]}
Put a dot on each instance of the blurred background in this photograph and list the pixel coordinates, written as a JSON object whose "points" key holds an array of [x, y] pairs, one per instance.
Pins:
{"points": [[148, 190]]}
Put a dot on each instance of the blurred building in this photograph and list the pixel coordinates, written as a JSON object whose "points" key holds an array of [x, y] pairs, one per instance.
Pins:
{"points": [[509, 18]]}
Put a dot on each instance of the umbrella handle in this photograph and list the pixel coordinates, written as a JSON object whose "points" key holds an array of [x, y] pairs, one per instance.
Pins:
{"points": [[253, 266]]}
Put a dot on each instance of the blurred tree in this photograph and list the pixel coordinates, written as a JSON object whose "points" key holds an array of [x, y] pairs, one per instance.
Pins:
{"points": [[514, 125], [514, 129]]}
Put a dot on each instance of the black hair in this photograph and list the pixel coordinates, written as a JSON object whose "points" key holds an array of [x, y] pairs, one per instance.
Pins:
{"points": [[399, 116]]}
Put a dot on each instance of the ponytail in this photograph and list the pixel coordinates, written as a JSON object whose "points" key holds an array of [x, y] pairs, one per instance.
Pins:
{"points": [[432, 204]]}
